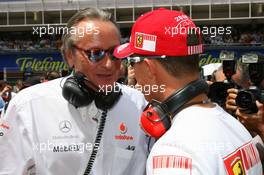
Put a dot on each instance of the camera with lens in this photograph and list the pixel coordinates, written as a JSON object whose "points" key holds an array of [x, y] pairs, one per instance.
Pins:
{"points": [[218, 90], [246, 98]]}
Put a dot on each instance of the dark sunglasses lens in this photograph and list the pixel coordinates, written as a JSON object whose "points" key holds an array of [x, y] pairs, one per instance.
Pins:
{"points": [[97, 55], [111, 54]]}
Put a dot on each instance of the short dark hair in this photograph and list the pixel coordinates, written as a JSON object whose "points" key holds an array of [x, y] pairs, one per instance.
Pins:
{"points": [[180, 66]]}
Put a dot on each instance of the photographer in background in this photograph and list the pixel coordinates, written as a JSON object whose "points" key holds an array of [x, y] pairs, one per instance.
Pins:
{"points": [[256, 76], [253, 122], [242, 79], [248, 103], [232, 74]]}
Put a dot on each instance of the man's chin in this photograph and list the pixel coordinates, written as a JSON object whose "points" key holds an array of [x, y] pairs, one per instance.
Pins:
{"points": [[106, 85]]}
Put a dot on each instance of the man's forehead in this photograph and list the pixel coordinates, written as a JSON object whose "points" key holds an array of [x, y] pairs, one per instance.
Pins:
{"points": [[85, 24], [96, 24], [83, 29], [94, 34]]}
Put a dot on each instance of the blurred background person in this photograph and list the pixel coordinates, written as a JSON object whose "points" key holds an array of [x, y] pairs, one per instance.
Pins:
{"points": [[231, 74], [2, 106], [255, 78], [240, 78], [19, 85], [6, 91], [52, 75]]}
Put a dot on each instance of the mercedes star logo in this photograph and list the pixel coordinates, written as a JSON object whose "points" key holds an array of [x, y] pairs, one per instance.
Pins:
{"points": [[65, 126]]}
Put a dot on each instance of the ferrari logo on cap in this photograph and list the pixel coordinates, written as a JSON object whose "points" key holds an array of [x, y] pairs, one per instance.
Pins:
{"points": [[139, 40], [145, 41]]}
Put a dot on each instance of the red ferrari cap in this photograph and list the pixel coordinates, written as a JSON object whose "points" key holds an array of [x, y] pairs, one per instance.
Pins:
{"points": [[162, 32]]}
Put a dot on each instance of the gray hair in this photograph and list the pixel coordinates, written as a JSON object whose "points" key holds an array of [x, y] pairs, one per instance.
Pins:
{"points": [[244, 74], [68, 38]]}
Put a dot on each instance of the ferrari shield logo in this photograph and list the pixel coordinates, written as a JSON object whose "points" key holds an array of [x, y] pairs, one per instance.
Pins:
{"points": [[139, 40], [243, 160], [145, 42], [237, 168], [234, 164]]}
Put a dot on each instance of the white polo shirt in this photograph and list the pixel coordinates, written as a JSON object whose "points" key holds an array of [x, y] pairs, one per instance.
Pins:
{"points": [[204, 141], [42, 133]]}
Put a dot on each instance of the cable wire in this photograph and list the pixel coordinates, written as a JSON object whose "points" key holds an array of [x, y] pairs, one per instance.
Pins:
{"points": [[96, 143]]}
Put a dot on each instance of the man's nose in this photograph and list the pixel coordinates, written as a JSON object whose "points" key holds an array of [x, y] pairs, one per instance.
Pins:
{"points": [[108, 62]]}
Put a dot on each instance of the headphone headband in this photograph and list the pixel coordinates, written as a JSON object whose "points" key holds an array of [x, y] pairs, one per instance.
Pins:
{"points": [[177, 100], [156, 118]]}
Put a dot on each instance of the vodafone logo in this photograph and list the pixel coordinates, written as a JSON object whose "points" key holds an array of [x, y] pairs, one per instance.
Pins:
{"points": [[5, 126], [122, 128]]}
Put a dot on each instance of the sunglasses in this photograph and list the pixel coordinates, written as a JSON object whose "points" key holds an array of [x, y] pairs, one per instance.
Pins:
{"points": [[96, 55], [137, 59]]}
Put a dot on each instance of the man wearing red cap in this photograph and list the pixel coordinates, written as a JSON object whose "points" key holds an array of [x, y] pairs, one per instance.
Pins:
{"points": [[194, 135]]}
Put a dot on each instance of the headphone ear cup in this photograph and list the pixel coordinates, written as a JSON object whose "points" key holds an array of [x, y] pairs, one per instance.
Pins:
{"points": [[155, 122], [104, 102], [75, 94]]}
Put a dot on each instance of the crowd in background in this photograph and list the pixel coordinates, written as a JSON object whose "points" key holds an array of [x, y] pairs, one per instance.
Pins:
{"points": [[25, 41], [29, 45], [8, 91], [244, 38]]}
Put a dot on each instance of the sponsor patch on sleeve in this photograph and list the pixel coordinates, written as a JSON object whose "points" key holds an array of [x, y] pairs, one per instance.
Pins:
{"points": [[172, 164], [242, 160]]}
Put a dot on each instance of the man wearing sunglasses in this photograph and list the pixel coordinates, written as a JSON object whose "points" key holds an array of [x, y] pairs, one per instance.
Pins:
{"points": [[67, 126], [194, 136]]}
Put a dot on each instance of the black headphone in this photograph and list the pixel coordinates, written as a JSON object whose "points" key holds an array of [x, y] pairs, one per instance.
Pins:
{"points": [[77, 93], [156, 118]]}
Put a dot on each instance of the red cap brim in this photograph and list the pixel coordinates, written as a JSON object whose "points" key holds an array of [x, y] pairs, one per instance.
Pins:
{"points": [[123, 51]]}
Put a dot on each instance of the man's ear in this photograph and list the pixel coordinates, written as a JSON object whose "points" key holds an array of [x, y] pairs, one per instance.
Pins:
{"points": [[157, 70], [151, 68], [69, 58]]}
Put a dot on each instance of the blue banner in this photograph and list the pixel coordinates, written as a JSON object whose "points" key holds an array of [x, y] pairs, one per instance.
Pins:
{"points": [[32, 61], [36, 61]]}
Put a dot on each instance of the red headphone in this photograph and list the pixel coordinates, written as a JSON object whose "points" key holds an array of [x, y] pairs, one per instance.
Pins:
{"points": [[156, 117]]}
